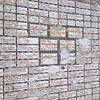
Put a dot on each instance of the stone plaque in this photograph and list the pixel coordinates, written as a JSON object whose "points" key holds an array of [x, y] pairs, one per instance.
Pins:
{"points": [[57, 31]]}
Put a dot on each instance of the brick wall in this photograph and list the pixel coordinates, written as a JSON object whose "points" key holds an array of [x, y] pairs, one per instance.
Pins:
{"points": [[49, 50]]}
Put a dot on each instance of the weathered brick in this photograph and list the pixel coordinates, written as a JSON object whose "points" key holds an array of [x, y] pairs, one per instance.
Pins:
{"points": [[7, 47], [19, 71], [32, 4], [33, 55], [38, 30], [28, 48], [10, 63], [58, 82], [10, 8], [27, 63], [7, 40], [22, 40], [22, 10], [22, 18], [48, 58], [49, 1], [67, 94], [66, 9], [48, 6], [48, 44], [15, 79], [9, 16], [15, 87]]}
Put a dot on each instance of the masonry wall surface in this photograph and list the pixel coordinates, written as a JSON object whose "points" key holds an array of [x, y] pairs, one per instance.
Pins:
{"points": [[49, 50]]}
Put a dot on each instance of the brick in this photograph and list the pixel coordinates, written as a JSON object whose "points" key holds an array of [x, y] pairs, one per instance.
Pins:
{"points": [[94, 24], [22, 10], [33, 70], [94, 19], [96, 90], [83, 11], [67, 94], [10, 63], [70, 44], [58, 82], [74, 32], [86, 24], [49, 1], [10, 24], [48, 44], [15, 79], [7, 40], [19, 71], [10, 8], [71, 22], [80, 92], [10, 2], [75, 81], [88, 97], [33, 19], [62, 22], [48, 6], [76, 74], [58, 75], [75, 16], [22, 3], [53, 21], [91, 78], [67, 3], [15, 87], [53, 14], [22, 25], [33, 55], [48, 58], [9, 16], [58, 89], [40, 84], [28, 48], [66, 9], [87, 18], [22, 40], [10, 32], [37, 12], [14, 95], [7, 47], [79, 23], [22, 18], [38, 77], [32, 4], [83, 5], [62, 15], [96, 96], [75, 67], [27, 63], [52, 97], [91, 72]]}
